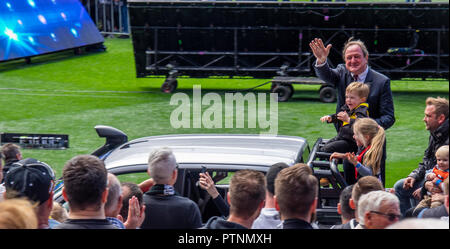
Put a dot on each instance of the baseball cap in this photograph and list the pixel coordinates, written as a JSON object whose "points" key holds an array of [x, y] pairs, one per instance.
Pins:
{"points": [[30, 178], [272, 174]]}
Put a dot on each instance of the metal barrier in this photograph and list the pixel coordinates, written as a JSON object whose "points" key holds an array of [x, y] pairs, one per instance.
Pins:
{"points": [[110, 16]]}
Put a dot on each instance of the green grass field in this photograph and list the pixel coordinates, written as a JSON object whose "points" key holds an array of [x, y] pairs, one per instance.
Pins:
{"points": [[67, 94]]}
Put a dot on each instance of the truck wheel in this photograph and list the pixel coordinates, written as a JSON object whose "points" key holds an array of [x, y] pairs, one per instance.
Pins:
{"points": [[169, 86], [327, 94], [284, 92]]}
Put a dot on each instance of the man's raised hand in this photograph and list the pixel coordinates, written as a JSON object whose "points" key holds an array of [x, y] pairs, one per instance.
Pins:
{"points": [[319, 50]]}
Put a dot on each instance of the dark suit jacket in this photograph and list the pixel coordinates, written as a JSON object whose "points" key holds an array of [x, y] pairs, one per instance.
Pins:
{"points": [[296, 224], [381, 104]]}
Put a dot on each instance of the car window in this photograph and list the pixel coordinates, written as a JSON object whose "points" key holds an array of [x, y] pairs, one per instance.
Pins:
{"points": [[133, 177], [220, 177], [224, 181], [305, 155]]}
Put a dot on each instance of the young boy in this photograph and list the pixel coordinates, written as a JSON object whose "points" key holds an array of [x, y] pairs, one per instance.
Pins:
{"points": [[434, 179], [355, 107]]}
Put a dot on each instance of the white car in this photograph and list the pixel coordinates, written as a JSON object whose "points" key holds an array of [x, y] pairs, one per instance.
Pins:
{"points": [[221, 154]]}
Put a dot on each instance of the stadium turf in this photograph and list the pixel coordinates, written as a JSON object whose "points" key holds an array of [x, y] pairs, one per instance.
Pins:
{"points": [[69, 94]]}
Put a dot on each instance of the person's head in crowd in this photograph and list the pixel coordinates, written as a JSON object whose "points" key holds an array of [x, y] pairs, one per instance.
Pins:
{"points": [[114, 201], [368, 132], [355, 55], [85, 185], [364, 185], [355, 94], [129, 190], [17, 214], [162, 166], [296, 192], [59, 213], [413, 223], [378, 209], [10, 153], [269, 217], [343, 207], [246, 196], [33, 180], [442, 157], [270, 178], [164, 208], [436, 112]]}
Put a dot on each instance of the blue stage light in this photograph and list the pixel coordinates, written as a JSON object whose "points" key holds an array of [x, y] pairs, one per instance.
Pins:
{"points": [[31, 3], [11, 34], [53, 36], [74, 32], [42, 19]]}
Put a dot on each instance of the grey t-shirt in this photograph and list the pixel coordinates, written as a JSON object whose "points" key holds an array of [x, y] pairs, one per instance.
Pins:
{"points": [[86, 224], [269, 218]]}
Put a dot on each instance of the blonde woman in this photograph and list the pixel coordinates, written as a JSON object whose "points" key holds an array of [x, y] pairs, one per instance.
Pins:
{"points": [[369, 137], [17, 214]]}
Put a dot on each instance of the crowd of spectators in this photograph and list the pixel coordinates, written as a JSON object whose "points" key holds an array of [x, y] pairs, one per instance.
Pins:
{"points": [[285, 198]]}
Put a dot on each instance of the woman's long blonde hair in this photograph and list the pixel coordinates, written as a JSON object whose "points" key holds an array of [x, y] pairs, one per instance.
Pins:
{"points": [[368, 127]]}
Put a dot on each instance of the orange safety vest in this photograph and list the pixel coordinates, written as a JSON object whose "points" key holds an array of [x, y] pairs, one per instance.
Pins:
{"points": [[440, 173]]}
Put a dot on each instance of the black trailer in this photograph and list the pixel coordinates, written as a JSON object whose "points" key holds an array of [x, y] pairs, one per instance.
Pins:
{"points": [[262, 39]]}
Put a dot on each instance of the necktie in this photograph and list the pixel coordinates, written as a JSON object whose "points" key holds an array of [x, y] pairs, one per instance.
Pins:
{"points": [[355, 77]]}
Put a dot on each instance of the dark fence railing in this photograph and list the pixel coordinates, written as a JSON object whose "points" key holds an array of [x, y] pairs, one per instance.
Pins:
{"points": [[110, 16]]}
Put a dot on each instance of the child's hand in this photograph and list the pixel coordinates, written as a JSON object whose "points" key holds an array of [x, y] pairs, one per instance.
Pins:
{"points": [[429, 185], [352, 158], [337, 155], [434, 180], [437, 197], [325, 119], [343, 116], [430, 176]]}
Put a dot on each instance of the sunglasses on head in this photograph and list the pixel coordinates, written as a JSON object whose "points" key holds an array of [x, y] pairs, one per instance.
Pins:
{"points": [[391, 217]]}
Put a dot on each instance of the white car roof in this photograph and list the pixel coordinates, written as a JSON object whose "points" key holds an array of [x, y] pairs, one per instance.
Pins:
{"points": [[212, 149]]}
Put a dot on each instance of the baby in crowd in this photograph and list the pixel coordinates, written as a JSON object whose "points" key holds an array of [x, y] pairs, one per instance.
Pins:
{"points": [[434, 179]]}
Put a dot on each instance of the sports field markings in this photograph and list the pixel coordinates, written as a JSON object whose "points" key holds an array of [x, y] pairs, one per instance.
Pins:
{"points": [[75, 91], [70, 93]]}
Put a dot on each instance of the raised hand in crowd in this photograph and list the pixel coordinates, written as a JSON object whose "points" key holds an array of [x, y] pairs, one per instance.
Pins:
{"points": [[136, 214], [206, 182], [319, 50]]}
